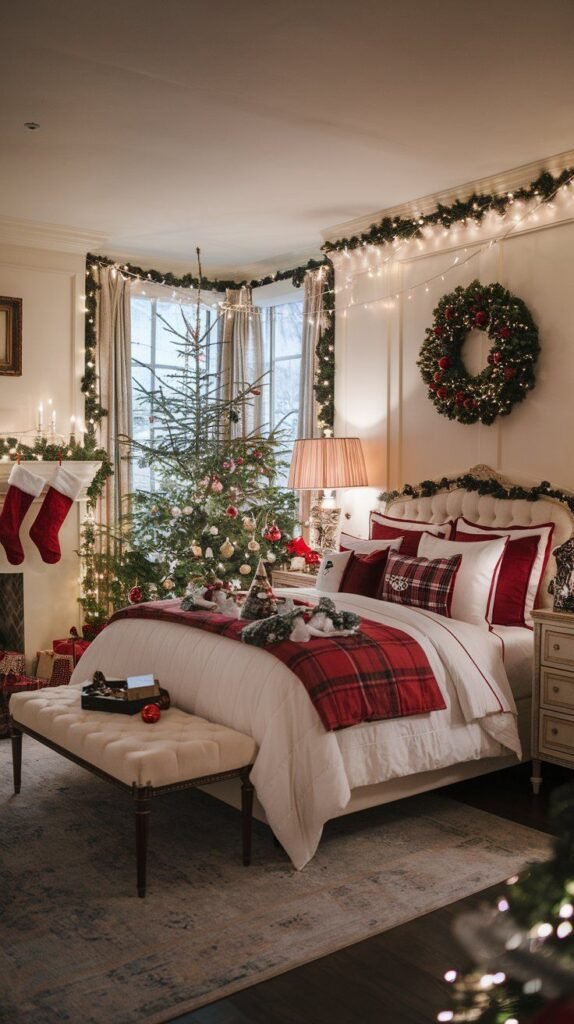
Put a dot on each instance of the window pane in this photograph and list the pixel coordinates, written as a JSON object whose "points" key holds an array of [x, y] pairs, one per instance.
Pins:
{"points": [[287, 375], [141, 329], [288, 329]]}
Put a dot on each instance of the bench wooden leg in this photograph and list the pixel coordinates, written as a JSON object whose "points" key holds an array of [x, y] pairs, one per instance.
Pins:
{"points": [[247, 815], [142, 797], [16, 737]]}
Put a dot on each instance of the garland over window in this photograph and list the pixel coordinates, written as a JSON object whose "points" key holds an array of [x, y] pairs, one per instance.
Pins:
{"points": [[509, 373]]}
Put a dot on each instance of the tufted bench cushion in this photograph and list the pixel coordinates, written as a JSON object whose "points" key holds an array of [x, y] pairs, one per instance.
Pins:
{"points": [[179, 751], [176, 749]]}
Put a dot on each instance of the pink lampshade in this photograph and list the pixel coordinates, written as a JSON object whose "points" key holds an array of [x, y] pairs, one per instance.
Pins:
{"points": [[327, 463]]}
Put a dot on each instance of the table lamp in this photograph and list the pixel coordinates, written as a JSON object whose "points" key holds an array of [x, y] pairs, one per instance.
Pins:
{"points": [[326, 464]]}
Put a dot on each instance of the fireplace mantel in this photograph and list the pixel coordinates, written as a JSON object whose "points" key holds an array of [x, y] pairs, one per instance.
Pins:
{"points": [[85, 470]]}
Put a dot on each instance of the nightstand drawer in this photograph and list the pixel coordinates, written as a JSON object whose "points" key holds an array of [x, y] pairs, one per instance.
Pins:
{"points": [[556, 735], [557, 647], [557, 689]]}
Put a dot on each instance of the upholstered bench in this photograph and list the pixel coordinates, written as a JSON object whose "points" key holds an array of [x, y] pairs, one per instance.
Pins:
{"points": [[180, 751]]}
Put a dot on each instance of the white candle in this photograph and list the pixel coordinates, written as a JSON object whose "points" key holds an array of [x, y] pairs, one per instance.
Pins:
{"points": [[72, 428], [40, 418]]}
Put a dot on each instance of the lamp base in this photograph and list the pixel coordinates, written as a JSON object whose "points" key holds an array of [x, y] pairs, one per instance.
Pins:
{"points": [[324, 527]]}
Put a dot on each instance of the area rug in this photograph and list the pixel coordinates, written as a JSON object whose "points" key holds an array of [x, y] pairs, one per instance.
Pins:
{"points": [[76, 943]]}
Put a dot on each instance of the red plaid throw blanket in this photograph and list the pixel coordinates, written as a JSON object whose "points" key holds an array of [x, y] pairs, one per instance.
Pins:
{"points": [[380, 672]]}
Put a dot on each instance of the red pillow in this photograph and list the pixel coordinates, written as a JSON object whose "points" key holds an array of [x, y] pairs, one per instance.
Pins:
{"points": [[363, 573], [513, 578], [382, 528], [420, 582]]}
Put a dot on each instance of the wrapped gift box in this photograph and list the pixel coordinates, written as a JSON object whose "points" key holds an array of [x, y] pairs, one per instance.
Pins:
{"points": [[54, 667], [71, 647]]}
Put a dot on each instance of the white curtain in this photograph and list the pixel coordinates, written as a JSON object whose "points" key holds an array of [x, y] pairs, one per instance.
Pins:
{"points": [[115, 373], [313, 287], [241, 358]]}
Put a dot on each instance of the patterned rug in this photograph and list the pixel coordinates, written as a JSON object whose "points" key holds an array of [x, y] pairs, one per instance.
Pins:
{"points": [[77, 945]]}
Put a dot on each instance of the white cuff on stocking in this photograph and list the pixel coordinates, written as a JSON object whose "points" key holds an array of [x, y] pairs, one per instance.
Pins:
{"points": [[25, 481], [66, 483]]}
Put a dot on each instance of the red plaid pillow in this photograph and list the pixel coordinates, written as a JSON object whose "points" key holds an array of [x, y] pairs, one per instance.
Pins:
{"points": [[420, 582]]}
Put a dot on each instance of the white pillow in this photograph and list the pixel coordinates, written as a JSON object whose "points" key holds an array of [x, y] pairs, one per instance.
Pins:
{"points": [[331, 570], [476, 578], [366, 547]]}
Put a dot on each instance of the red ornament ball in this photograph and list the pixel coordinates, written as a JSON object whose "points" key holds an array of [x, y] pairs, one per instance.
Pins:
{"points": [[151, 713], [504, 332], [459, 398], [272, 534], [481, 318], [437, 376], [438, 332], [509, 372], [231, 511], [470, 403], [442, 393], [497, 357], [449, 313], [257, 454], [444, 362], [239, 461], [255, 391], [135, 595]]}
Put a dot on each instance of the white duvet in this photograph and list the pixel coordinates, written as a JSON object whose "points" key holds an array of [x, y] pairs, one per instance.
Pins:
{"points": [[304, 775]]}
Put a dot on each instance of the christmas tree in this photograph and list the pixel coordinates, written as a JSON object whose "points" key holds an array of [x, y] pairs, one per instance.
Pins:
{"points": [[217, 508]]}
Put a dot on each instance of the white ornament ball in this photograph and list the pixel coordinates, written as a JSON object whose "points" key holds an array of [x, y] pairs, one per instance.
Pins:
{"points": [[226, 550], [168, 584], [249, 524], [245, 569], [254, 545], [188, 511], [213, 531], [271, 556], [175, 511], [297, 563]]}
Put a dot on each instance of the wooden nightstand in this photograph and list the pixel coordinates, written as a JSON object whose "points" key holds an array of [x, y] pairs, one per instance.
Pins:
{"points": [[553, 692], [291, 578]]}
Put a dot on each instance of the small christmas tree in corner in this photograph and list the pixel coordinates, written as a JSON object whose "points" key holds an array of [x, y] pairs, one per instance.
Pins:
{"points": [[217, 508]]}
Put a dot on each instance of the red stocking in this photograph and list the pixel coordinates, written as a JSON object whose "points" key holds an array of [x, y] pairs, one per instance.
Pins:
{"points": [[64, 487], [23, 487]]}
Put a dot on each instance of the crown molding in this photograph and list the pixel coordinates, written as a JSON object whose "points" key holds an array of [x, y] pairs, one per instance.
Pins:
{"points": [[40, 235], [504, 181]]}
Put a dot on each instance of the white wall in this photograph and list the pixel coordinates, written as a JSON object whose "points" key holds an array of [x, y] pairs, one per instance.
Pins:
{"points": [[379, 330], [51, 286]]}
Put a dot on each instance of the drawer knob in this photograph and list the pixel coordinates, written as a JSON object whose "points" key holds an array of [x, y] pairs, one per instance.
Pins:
{"points": [[554, 731], [555, 689], [555, 647]]}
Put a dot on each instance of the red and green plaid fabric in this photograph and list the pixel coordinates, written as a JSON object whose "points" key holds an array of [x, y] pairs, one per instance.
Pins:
{"points": [[421, 582], [378, 673]]}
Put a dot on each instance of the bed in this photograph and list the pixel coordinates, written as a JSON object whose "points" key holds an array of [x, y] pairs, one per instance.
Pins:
{"points": [[305, 776]]}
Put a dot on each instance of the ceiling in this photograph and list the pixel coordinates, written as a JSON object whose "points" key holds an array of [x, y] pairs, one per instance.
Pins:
{"points": [[250, 127]]}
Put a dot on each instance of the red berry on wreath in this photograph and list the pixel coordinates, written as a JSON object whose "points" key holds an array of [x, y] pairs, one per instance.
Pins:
{"points": [[442, 393], [459, 398], [444, 362], [135, 595], [504, 332], [509, 372], [433, 387], [481, 318], [449, 313], [438, 332], [437, 376], [497, 357], [151, 713], [470, 403], [231, 511]]}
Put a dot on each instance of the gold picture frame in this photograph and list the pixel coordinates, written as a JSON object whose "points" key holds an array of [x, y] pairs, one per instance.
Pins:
{"points": [[10, 337]]}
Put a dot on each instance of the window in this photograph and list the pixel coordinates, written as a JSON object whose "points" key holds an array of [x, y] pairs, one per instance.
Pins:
{"points": [[155, 358], [282, 333]]}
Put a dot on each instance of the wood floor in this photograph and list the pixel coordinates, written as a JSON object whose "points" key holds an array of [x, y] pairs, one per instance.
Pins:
{"points": [[395, 977]]}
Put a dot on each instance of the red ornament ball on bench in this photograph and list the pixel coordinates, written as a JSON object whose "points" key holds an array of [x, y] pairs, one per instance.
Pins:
{"points": [[151, 713]]}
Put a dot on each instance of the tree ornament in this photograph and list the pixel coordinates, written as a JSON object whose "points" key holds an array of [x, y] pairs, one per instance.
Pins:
{"points": [[196, 550], [271, 556], [253, 545], [187, 510], [226, 550], [245, 569], [216, 486], [175, 512], [493, 391], [168, 584], [255, 391], [257, 454], [213, 530], [239, 461], [232, 511], [135, 595], [260, 602], [151, 713], [249, 524], [272, 534], [209, 553]]}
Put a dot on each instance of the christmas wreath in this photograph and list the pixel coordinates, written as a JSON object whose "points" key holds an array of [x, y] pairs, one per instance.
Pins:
{"points": [[509, 374]]}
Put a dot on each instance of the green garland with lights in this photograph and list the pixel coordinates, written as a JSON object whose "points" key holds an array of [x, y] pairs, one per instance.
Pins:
{"points": [[44, 450], [532, 972], [472, 209], [490, 486], [509, 373]]}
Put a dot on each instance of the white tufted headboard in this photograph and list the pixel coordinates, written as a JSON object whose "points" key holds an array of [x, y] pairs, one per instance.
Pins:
{"points": [[489, 511]]}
